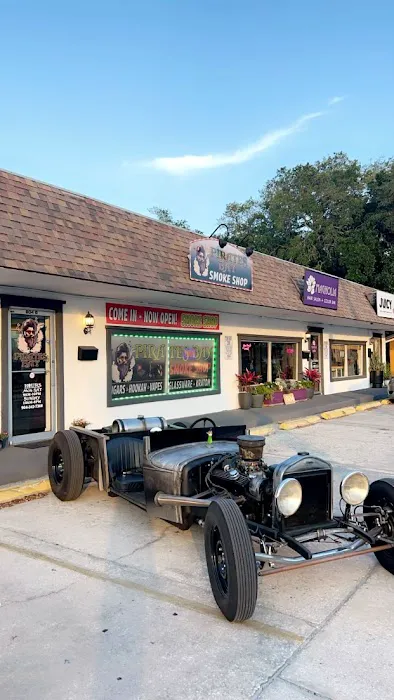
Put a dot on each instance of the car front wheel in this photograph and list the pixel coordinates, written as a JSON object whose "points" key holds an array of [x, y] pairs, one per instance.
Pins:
{"points": [[230, 560], [66, 465], [381, 493]]}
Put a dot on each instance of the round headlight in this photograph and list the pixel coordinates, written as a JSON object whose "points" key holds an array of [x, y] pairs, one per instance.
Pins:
{"points": [[354, 488], [288, 497]]}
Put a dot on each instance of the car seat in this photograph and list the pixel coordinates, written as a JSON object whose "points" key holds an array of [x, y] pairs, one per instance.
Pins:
{"points": [[125, 459]]}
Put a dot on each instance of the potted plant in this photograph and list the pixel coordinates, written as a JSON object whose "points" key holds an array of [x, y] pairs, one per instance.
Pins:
{"points": [[312, 375], [257, 396], [386, 374], [3, 439], [309, 387], [245, 382], [376, 369], [273, 392], [80, 423]]}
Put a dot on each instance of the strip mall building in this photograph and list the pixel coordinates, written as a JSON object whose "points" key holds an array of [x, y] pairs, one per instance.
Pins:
{"points": [[107, 314]]}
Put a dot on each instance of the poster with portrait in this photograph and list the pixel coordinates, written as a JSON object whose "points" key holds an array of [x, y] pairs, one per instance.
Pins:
{"points": [[137, 365], [28, 343], [191, 364]]}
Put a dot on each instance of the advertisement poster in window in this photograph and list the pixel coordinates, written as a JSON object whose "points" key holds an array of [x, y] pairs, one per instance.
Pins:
{"points": [[138, 366], [28, 403], [190, 364], [147, 367], [28, 343]]}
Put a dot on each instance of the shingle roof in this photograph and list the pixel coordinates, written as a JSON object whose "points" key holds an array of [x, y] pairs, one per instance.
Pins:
{"points": [[50, 230]]}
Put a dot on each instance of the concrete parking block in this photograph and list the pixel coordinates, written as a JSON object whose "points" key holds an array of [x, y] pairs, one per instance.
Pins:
{"points": [[330, 415], [367, 406], [299, 423]]}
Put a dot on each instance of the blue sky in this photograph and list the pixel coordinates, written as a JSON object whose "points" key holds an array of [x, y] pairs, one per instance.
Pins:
{"points": [[107, 98]]}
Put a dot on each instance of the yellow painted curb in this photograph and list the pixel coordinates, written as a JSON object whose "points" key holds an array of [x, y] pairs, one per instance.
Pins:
{"points": [[299, 423], [13, 492], [262, 430], [349, 410], [336, 413], [367, 406], [385, 402]]}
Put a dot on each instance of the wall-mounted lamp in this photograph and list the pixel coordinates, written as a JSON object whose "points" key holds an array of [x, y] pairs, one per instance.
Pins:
{"points": [[307, 336], [89, 323], [223, 241]]}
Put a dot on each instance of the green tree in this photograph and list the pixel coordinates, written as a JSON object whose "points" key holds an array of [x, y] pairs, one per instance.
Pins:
{"points": [[332, 215], [166, 217]]}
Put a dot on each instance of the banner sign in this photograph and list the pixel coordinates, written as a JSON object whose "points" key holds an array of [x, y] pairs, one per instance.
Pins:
{"points": [[227, 267], [150, 316], [384, 304], [320, 290], [143, 367]]}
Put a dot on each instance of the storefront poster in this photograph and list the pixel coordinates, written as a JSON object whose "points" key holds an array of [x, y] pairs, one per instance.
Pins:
{"points": [[145, 366], [150, 316], [28, 403], [28, 343], [320, 290], [190, 364], [138, 366], [227, 267]]}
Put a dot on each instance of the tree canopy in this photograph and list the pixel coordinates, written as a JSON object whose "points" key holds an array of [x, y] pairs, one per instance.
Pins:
{"points": [[333, 215]]}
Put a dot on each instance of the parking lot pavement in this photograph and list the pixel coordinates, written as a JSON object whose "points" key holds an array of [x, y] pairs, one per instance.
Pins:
{"points": [[98, 602]]}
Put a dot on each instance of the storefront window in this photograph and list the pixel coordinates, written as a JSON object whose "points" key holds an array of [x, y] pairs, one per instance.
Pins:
{"points": [[254, 357], [283, 360], [354, 360], [270, 359], [153, 366], [347, 360]]}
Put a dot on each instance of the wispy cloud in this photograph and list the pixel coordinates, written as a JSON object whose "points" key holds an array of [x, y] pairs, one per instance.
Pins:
{"points": [[335, 100], [181, 165]]}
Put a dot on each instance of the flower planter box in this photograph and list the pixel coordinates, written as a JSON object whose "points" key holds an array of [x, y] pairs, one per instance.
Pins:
{"points": [[276, 398], [300, 394]]}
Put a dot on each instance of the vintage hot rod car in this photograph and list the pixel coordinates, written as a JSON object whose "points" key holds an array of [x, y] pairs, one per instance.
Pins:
{"points": [[218, 477]]}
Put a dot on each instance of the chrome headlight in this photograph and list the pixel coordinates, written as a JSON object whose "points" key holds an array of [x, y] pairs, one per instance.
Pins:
{"points": [[288, 497], [354, 488]]}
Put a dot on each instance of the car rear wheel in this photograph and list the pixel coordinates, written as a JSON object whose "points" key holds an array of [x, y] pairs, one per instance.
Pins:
{"points": [[66, 465], [230, 560], [381, 493]]}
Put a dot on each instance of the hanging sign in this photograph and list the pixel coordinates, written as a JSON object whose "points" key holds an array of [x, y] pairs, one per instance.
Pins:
{"points": [[150, 316], [227, 267], [320, 290]]}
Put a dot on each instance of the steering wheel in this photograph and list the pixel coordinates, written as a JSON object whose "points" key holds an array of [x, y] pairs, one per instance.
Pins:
{"points": [[193, 425]]}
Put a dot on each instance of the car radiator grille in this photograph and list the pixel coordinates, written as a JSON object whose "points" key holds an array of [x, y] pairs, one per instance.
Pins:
{"points": [[315, 508]]}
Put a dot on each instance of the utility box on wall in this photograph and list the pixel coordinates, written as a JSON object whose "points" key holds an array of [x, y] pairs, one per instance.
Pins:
{"points": [[87, 353]]}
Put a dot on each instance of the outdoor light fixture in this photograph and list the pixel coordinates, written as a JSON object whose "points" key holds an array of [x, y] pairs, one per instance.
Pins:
{"points": [[222, 241], [89, 323]]}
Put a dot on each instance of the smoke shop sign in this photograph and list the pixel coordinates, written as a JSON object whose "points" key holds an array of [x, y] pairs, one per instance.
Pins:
{"points": [[149, 316], [320, 290], [227, 267]]}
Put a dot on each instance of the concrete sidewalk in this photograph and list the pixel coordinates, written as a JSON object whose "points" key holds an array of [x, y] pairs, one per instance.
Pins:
{"points": [[276, 414]]}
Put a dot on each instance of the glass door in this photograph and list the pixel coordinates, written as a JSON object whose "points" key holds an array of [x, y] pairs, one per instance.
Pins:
{"points": [[315, 361], [32, 375]]}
